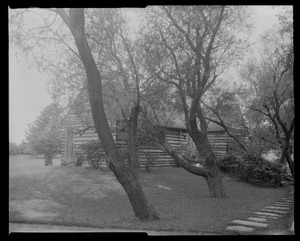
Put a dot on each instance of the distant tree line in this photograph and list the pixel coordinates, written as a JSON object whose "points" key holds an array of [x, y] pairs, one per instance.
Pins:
{"points": [[19, 149], [43, 136]]}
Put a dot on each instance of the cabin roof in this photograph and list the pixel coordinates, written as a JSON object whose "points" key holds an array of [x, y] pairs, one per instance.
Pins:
{"points": [[172, 119]]}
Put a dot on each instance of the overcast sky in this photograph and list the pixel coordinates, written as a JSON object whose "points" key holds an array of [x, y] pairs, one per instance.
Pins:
{"points": [[28, 92]]}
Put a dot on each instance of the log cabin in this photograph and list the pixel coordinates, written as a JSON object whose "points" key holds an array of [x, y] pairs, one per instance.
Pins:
{"points": [[78, 129]]}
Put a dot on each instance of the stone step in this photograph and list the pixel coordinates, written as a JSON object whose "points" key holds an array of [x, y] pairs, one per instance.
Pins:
{"points": [[267, 214], [249, 223], [282, 204], [284, 201], [274, 211], [257, 219], [239, 228], [270, 217], [275, 207]]}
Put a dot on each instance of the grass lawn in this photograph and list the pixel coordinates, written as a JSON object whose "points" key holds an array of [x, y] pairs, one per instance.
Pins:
{"points": [[87, 197]]}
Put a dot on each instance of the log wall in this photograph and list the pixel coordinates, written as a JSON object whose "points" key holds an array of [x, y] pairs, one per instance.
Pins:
{"points": [[177, 138], [220, 142]]}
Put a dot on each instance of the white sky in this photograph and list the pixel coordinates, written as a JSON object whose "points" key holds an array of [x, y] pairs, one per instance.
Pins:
{"points": [[28, 91], [27, 97]]}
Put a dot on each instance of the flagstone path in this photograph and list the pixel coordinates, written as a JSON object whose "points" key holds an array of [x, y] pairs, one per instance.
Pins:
{"points": [[260, 219]]}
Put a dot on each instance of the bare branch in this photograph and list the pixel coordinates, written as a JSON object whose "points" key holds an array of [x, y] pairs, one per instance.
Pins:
{"points": [[180, 29], [172, 53]]}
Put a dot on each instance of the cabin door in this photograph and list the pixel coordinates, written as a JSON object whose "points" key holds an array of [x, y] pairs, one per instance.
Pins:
{"points": [[69, 146]]}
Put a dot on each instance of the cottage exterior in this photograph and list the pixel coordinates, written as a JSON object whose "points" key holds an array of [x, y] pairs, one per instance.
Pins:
{"points": [[79, 130]]}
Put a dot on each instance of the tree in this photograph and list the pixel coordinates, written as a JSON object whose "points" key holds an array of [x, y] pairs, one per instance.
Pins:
{"points": [[47, 144], [13, 149], [76, 23], [271, 83], [72, 28], [24, 148], [222, 107], [44, 134], [190, 47]]}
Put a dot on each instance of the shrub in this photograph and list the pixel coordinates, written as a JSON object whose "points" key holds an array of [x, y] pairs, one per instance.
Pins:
{"points": [[256, 170], [149, 161], [253, 169], [230, 164], [94, 154], [79, 160]]}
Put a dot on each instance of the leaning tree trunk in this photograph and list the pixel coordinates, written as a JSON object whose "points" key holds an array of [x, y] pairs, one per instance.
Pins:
{"points": [[210, 171], [290, 162], [133, 146], [142, 209], [285, 156]]}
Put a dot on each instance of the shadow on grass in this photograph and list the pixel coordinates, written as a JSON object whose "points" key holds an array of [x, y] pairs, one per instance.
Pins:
{"points": [[92, 198]]}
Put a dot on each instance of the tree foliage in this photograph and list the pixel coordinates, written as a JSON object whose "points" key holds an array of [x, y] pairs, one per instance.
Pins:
{"points": [[13, 149], [44, 134], [252, 168], [271, 87], [188, 48], [94, 154]]}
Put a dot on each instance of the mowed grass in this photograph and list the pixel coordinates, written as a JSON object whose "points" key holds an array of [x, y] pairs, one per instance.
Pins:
{"points": [[87, 197]]}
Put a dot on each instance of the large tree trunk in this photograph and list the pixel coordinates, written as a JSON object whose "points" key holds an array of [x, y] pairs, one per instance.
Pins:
{"points": [[200, 138], [290, 162], [142, 209], [210, 171], [133, 146], [214, 175], [285, 156]]}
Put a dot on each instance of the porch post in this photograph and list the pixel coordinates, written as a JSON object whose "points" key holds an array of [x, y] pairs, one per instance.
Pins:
{"points": [[69, 146]]}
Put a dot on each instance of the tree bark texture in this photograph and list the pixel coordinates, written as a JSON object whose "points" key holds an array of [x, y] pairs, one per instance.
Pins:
{"points": [[133, 146], [200, 138], [214, 175], [143, 210], [290, 162], [286, 156]]}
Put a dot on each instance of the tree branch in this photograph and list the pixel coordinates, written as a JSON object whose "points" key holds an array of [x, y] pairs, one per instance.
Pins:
{"points": [[222, 124], [63, 15], [180, 29]]}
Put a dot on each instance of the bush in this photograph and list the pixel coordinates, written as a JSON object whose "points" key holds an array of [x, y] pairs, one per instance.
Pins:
{"points": [[230, 164], [79, 160], [94, 154], [149, 161], [259, 171], [253, 169]]}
